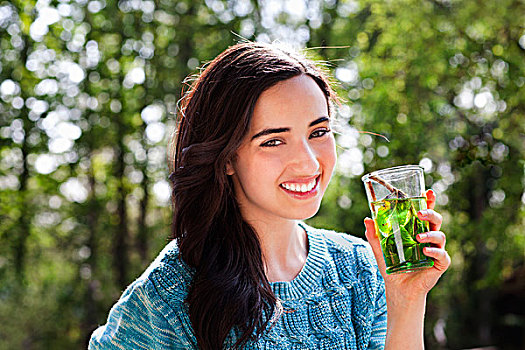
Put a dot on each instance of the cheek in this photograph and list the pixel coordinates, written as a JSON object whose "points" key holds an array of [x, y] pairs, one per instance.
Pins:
{"points": [[261, 168], [329, 156]]}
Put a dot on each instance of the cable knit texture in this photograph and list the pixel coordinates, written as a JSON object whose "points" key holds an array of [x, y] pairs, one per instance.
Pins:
{"points": [[336, 302]]}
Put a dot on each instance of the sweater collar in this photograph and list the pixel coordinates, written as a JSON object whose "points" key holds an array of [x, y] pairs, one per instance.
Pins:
{"points": [[311, 272]]}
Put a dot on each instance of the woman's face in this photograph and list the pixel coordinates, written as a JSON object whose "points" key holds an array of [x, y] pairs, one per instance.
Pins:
{"points": [[286, 160]]}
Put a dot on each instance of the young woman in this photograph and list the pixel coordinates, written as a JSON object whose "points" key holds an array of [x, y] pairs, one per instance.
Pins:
{"points": [[254, 155]]}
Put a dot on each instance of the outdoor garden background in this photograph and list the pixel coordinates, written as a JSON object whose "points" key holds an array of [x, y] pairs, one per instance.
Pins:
{"points": [[89, 93]]}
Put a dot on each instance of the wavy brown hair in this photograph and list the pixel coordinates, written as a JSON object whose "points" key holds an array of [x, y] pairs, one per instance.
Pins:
{"points": [[229, 291]]}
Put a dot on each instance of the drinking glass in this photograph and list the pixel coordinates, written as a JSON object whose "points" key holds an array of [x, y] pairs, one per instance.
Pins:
{"points": [[395, 195]]}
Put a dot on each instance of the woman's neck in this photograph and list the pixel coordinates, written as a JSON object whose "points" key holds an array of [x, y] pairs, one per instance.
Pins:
{"points": [[284, 247]]}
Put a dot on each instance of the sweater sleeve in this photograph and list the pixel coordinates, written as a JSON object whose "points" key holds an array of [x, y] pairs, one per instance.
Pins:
{"points": [[377, 339], [362, 259], [135, 322]]}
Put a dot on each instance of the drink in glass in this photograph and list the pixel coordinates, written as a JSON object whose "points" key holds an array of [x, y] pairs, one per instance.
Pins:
{"points": [[395, 195]]}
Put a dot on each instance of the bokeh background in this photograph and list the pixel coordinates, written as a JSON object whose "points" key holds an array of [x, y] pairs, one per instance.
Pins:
{"points": [[89, 92]]}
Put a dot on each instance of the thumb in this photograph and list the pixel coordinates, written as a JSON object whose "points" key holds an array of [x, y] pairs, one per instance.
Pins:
{"points": [[372, 238], [431, 199]]}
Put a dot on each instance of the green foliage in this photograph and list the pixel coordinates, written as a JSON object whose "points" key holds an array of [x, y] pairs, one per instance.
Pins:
{"points": [[443, 81], [400, 215], [89, 91]]}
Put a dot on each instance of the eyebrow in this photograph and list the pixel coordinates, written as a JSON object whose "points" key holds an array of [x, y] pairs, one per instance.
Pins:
{"points": [[279, 130]]}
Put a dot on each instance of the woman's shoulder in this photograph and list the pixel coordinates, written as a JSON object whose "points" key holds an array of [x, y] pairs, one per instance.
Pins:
{"points": [[341, 242], [347, 251], [169, 274], [150, 310]]}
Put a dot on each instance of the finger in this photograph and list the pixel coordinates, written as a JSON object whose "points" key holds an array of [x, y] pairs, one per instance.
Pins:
{"points": [[372, 238], [433, 217], [431, 199], [437, 238], [440, 256]]}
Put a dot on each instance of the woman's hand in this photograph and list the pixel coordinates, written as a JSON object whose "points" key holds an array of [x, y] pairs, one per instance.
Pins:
{"points": [[415, 284], [406, 292]]}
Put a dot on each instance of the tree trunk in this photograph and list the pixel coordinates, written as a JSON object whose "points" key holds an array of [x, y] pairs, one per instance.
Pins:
{"points": [[90, 304], [120, 247], [142, 236], [478, 202], [20, 243]]}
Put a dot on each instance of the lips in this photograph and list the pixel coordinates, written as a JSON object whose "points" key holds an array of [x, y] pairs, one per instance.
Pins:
{"points": [[301, 188]]}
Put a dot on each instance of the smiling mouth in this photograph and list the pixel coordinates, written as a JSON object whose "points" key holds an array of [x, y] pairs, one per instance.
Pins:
{"points": [[300, 188]]}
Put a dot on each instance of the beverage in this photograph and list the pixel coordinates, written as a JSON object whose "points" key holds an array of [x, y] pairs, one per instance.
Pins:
{"points": [[397, 225], [395, 195]]}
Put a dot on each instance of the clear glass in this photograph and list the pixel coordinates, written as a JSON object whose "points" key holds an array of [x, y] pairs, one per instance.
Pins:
{"points": [[395, 195]]}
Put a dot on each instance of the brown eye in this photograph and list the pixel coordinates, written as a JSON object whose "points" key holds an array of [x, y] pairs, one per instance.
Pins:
{"points": [[319, 132], [271, 143]]}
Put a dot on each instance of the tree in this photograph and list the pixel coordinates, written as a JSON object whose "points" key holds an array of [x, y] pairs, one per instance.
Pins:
{"points": [[89, 93], [442, 81]]}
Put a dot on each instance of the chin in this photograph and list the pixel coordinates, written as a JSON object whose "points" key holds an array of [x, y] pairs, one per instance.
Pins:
{"points": [[305, 214]]}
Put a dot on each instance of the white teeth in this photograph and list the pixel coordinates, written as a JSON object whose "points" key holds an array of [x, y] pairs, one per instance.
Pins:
{"points": [[300, 187]]}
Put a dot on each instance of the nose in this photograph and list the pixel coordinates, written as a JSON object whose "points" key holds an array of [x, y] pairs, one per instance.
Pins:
{"points": [[303, 159]]}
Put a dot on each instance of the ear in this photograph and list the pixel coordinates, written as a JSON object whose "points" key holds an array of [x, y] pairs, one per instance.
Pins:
{"points": [[229, 168]]}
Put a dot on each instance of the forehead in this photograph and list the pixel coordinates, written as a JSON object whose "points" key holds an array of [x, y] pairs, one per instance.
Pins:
{"points": [[295, 100]]}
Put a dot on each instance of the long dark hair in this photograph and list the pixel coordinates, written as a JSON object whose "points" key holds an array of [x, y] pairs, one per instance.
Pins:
{"points": [[229, 290]]}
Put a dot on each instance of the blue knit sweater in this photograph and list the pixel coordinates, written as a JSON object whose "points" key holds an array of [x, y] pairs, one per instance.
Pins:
{"points": [[336, 302]]}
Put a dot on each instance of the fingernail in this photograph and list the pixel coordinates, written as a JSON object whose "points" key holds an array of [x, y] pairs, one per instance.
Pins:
{"points": [[428, 250], [422, 236], [424, 212]]}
